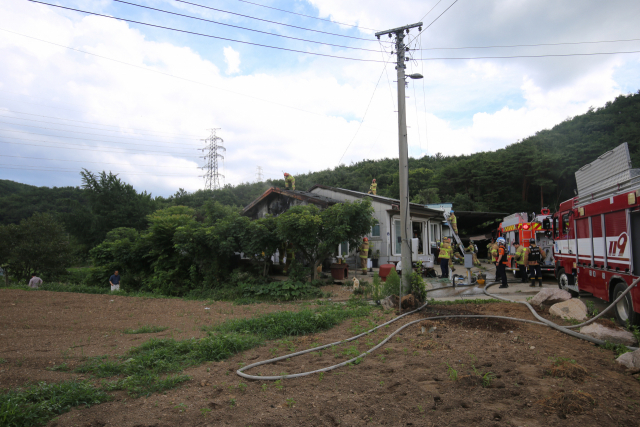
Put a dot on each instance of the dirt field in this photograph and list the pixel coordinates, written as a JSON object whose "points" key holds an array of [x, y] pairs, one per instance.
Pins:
{"points": [[465, 372]]}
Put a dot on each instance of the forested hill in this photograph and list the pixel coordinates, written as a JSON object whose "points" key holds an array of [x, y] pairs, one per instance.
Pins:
{"points": [[512, 179]]}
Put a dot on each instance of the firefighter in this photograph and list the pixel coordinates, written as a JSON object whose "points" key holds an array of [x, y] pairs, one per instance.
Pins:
{"points": [[453, 221], [533, 259], [472, 249], [289, 179], [445, 258], [520, 255], [364, 254], [501, 262], [373, 188], [489, 248], [494, 251]]}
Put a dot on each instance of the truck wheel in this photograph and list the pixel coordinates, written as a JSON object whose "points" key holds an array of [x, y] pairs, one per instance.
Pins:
{"points": [[564, 281], [624, 308]]}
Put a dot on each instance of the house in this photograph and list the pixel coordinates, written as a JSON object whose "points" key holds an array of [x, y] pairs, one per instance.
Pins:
{"points": [[275, 201], [426, 224]]}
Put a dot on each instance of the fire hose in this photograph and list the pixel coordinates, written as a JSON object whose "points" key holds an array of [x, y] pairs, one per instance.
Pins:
{"points": [[542, 321]]}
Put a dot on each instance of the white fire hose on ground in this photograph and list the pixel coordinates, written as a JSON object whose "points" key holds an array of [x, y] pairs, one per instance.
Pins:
{"points": [[542, 321]]}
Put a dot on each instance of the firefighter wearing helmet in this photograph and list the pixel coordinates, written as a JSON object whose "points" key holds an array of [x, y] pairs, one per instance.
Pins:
{"points": [[520, 255], [453, 221], [364, 254], [473, 249], [533, 258], [289, 179], [501, 262], [373, 188]]}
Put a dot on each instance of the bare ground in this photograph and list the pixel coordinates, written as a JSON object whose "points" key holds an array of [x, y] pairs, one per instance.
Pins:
{"points": [[410, 381]]}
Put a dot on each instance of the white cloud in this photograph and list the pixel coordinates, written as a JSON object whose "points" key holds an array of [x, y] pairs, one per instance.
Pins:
{"points": [[232, 58]]}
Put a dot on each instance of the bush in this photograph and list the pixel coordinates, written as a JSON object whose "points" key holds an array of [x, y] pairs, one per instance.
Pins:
{"points": [[285, 291], [392, 285], [417, 286]]}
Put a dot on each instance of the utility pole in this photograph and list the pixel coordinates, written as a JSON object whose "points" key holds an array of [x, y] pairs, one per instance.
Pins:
{"points": [[212, 174], [259, 174], [405, 218]]}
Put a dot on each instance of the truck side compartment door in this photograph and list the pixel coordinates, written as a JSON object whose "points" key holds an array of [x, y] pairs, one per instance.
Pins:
{"points": [[635, 241]]}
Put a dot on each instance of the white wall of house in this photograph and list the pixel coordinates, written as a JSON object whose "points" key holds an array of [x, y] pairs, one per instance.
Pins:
{"points": [[384, 237]]}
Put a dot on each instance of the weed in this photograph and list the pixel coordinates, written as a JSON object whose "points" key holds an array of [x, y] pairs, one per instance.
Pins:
{"points": [[40, 403], [321, 376], [181, 407], [290, 402], [592, 311], [2, 360], [279, 385], [559, 360], [264, 387], [453, 374], [232, 403], [147, 329], [473, 357], [242, 387], [485, 378], [205, 411], [618, 349], [351, 351], [64, 367]]}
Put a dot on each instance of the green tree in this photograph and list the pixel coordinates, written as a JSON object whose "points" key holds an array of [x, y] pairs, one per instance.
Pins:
{"points": [[38, 245], [316, 234]]}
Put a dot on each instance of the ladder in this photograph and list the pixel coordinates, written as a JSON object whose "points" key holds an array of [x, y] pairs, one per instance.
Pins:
{"points": [[461, 246]]}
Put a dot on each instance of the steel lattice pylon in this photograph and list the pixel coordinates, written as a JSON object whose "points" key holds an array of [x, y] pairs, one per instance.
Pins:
{"points": [[212, 175]]}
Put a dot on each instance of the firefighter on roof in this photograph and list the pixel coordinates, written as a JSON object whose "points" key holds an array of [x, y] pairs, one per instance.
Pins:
{"points": [[501, 262], [533, 258], [373, 188], [521, 253], [289, 179], [364, 254]]}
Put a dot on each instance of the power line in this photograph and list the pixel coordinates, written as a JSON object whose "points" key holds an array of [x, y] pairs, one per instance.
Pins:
{"points": [[103, 163], [243, 28], [84, 127], [39, 168], [273, 22], [424, 99], [530, 45], [89, 133], [87, 139], [88, 147], [365, 113], [308, 16], [425, 29], [77, 109], [531, 56], [169, 75], [205, 35], [425, 15]]}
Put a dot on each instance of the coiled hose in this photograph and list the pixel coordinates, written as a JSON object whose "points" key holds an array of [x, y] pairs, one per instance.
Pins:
{"points": [[542, 321]]}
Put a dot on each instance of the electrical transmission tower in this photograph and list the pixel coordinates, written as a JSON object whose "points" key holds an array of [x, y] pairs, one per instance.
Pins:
{"points": [[259, 174], [211, 150]]}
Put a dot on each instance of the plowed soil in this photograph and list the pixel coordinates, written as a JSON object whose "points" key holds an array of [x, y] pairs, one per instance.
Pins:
{"points": [[480, 372]]}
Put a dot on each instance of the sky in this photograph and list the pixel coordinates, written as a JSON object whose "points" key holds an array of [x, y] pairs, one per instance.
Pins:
{"points": [[291, 85]]}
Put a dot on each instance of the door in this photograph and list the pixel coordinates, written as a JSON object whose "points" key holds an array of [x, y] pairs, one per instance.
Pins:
{"points": [[635, 241]]}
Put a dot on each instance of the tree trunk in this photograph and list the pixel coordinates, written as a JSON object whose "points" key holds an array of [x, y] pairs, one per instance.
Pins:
{"points": [[315, 265], [541, 198]]}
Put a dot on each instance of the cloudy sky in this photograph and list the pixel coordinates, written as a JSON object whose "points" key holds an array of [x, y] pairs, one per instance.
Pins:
{"points": [[86, 91]]}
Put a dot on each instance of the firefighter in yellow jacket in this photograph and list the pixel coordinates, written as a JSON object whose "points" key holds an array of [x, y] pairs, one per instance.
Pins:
{"points": [[494, 253], [472, 250], [364, 254], [373, 188], [521, 253], [289, 179], [445, 258], [453, 221]]}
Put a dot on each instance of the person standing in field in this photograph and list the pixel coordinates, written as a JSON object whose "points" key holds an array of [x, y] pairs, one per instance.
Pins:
{"points": [[114, 280], [35, 282]]}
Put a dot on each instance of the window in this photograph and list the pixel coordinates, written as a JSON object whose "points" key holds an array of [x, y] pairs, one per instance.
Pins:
{"points": [[375, 230], [343, 248], [565, 223], [397, 240], [435, 234]]}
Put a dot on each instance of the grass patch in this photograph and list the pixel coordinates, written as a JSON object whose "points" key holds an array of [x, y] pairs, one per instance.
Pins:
{"points": [[286, 323], [38, 404], [618, 349], [147, 369], [433, 301], [146, 329]]}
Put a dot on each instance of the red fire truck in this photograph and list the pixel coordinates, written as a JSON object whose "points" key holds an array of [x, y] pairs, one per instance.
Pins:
{"points": [[597, 233], [520, 227]]}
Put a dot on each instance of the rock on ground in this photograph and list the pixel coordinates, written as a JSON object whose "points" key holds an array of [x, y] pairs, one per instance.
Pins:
{"points": [[616, 336], [550, 296], [630, 360], [387, 303], [571, 309]]}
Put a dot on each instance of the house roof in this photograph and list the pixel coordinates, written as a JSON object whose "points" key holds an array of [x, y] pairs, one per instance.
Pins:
{"points": [[414, 207], [306, 196]]}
